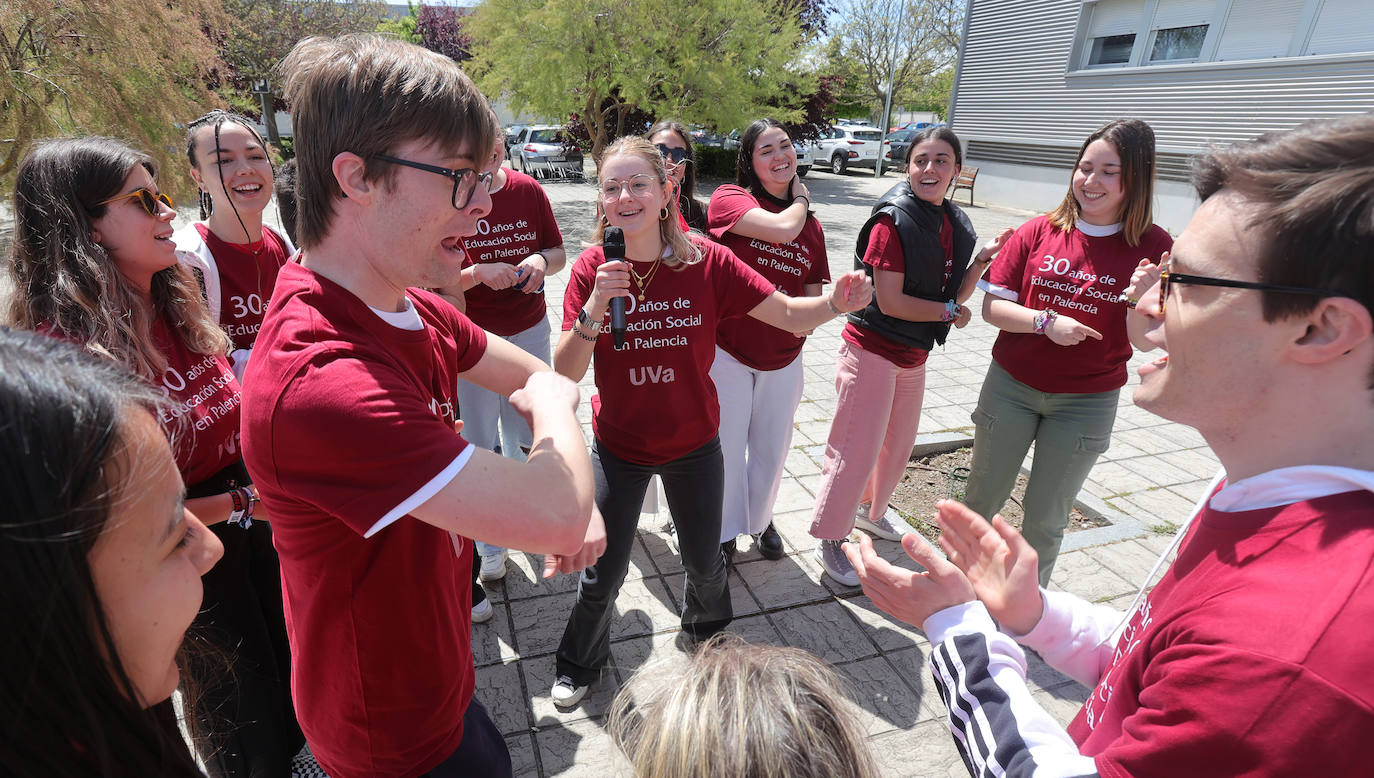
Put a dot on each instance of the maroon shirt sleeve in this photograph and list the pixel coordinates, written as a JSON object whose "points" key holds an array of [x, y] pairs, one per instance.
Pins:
{"points": [[739, 288], [728, 205], [884, 250], [580, 281], [1009, 268]]}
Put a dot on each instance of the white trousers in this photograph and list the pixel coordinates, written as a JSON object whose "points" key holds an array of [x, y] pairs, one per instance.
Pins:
{"points": [[488, 418], [756, 412]]}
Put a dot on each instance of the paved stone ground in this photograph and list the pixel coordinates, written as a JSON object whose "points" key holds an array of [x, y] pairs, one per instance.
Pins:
{"points": [[1149, 478]]}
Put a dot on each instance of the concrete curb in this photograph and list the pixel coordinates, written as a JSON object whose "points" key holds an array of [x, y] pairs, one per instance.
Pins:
{"points": [[1121, 527]]}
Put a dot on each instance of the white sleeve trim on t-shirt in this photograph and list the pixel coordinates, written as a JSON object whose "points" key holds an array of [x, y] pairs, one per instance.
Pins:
{"points": [[997, 291], [422, 495]]}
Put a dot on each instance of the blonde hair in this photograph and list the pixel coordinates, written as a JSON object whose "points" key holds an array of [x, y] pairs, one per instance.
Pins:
{"points": [[1134, 142], [65, 280], [683, 251], [740, 710]]}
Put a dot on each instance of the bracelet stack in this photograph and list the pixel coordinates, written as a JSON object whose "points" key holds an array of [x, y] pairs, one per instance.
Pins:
{"points": [[952, 311], [1043, 320], [243, 500]]}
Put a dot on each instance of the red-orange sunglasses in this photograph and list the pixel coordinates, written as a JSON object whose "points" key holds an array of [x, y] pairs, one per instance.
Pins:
{"points": [[146, 198]]}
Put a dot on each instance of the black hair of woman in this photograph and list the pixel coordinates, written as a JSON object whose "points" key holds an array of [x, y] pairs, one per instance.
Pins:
{"points": [[68, 703], [217, 118], [744, 161]]}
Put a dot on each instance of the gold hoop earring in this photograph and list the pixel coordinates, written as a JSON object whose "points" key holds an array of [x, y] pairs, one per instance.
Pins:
{"points": [[663, 214]]}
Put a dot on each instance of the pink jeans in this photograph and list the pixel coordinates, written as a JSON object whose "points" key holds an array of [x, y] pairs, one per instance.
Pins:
{"points": [[870, 439]]}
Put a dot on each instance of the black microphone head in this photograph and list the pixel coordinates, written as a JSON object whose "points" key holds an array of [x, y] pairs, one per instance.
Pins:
{"points": [[613, 243]]}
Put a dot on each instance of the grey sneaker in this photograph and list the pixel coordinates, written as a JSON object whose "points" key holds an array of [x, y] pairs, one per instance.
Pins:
{"points": [[836, 564], [890, 526]]}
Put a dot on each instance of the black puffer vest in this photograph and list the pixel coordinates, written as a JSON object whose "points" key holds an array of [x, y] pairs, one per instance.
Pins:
{"points": [[918, 226]]}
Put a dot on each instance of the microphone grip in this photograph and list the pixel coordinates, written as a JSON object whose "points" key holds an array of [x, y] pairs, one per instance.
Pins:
{"points": [[618, 321]]}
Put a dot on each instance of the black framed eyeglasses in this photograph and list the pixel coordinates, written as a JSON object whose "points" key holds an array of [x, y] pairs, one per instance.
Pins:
{"points": [[672, 155], [146, 198], [465, 180], [1167, 277]]}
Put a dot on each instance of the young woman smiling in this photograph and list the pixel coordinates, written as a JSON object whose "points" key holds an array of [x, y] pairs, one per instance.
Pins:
{"points": [[763, 218], [1060, 361], [94, 263], [237, 255], [655, 411], [102, 565], [917, 246]]}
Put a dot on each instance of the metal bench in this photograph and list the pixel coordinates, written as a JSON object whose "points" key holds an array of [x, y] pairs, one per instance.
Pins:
{"points": [[967, 176]]}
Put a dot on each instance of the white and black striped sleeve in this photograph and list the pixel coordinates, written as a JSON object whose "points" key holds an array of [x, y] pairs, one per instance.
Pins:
{"points": [[998, 728]]}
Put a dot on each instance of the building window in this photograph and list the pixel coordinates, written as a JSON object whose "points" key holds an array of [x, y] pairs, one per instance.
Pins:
{"points": [[1178, 43], [1130, 33], [1111, 50]]}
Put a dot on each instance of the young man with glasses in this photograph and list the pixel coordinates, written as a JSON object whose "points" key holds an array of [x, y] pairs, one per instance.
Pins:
{"points": [[1248, 656], [351, 423]]}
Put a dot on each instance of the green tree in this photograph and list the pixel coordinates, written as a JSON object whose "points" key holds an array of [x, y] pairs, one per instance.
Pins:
{"points": [[913, 40], [263, 32], [712, 62], [404, 27], [115, 67]]}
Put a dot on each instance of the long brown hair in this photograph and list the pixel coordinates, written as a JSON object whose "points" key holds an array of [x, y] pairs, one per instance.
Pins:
{"points": [[1134, 142], [65, 280], [682, 251]]}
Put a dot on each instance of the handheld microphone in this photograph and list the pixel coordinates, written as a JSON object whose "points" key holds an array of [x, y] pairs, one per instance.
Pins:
{"points": [[613, 244]]}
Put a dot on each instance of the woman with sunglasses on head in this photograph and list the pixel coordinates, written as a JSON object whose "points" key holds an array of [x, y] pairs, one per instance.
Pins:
{"points": [[655, 411], [1060, 361], [238, 256], [674, 142], [764, 219], [101, 565], [93, 263], [917, 245]]}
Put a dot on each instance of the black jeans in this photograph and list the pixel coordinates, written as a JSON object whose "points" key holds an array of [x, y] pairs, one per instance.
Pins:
{"points": [[694, 486], [483, 752]]}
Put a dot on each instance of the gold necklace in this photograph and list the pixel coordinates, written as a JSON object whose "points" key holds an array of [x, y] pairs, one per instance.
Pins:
{"points": [[643, 281]]}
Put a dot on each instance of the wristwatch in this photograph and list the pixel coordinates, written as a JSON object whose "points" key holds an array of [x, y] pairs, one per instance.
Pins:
{"points": [[585, 319]]}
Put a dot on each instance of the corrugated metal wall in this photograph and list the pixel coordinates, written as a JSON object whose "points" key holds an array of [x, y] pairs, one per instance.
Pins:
{"points": [[1015, 98]]}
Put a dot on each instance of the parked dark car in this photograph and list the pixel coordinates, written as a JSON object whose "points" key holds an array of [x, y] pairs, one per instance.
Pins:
{"points": [[894, 148]]}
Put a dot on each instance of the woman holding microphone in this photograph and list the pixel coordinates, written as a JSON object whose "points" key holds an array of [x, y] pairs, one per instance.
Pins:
{"points": [[655, 411], [764, 219]]}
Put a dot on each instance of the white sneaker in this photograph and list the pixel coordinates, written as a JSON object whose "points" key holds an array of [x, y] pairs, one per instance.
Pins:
{"points": [[566, 693], [493, 567], [836, 564], [891, 526], [482, 611]]}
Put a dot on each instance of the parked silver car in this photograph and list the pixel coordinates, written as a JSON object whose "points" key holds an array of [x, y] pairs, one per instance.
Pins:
{"points": [[546, 151], [849, 145]]}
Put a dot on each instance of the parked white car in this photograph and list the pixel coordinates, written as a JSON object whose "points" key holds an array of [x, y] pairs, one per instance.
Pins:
{"points": [[849, 145], [804, 159], [546, 151]]}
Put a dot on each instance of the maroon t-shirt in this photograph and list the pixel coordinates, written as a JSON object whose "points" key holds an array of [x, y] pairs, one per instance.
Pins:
{"points": [[204, 410], [1261, 622], [789, 266], [655, 399], [246, 280], [1044, 267], [520, 224], [884, 252], [348, 422]]}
